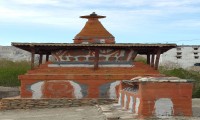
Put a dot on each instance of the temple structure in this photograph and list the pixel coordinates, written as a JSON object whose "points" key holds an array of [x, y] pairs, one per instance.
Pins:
{"points": [[91, 67]]}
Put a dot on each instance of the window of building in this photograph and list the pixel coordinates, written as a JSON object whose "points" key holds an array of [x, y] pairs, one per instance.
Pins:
{"points": [[178, 48], [179, 53], [196, 57], [195, 53], [178, 57], [195, 48], [197, 64]]}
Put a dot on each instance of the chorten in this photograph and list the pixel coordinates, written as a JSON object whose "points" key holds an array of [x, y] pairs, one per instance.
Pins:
{"points": [[91, 67], [93, 31]]}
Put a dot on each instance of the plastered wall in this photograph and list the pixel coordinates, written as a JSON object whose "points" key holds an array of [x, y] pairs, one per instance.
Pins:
{"points": [[69, 89], [161, 100], [88, 55]]}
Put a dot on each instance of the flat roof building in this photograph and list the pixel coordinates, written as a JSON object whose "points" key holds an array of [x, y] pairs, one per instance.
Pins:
{"points": [[184, 56]]}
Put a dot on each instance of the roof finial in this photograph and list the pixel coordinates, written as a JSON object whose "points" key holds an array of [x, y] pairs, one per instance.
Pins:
{"points": [[93, 15]]}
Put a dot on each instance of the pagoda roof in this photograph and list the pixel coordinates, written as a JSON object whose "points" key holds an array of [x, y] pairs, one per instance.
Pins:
{"points": [[47, 48]]}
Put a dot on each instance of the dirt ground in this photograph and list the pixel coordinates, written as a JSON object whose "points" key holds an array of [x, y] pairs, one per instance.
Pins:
{"points": [[196, 107], [75, 113]]}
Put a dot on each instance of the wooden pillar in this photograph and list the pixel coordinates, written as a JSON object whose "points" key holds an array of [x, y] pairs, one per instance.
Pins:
{"points": [[148, 59], [157, 59], [152, 60], [47, 57], [96, 59], [40, 60], [32, 57], [134, 55]]}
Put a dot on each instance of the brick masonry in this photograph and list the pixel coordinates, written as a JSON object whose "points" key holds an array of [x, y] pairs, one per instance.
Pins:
{"points": [[157, 98], [79, 82]]}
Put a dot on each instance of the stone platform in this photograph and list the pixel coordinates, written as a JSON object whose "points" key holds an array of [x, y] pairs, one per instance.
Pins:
{"points": [[9, 92], [25, 103]]}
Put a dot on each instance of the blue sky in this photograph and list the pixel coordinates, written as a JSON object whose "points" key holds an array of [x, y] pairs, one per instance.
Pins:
{"points": [[130, 21]]}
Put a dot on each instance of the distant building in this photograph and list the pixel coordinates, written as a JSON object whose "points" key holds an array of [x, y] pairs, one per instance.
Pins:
{"points": [[13, 53], [184, 56]]}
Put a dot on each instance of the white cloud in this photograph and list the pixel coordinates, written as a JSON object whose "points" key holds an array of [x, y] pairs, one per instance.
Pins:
{"points": [[129, 3], [31, 2], [169, 3], [119, 12], [34, 15], [175, 3], [66, 17], [17, 13], [187, 23]]}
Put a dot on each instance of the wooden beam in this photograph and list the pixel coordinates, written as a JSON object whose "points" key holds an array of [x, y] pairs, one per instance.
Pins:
{"points": [[40, 60], [152, 60], [32, 57], [96, 59], [148, 59], [157, 59]]}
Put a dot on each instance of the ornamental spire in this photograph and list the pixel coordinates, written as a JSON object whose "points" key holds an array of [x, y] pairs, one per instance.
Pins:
{"points": [[93, 31]]}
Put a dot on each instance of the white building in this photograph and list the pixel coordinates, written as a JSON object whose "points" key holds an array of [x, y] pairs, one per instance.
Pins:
{"points": [[184, 56], [16, 54]]}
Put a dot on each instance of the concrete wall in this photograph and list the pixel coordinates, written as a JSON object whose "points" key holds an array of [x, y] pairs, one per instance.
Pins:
{"points": [[182, 56]]}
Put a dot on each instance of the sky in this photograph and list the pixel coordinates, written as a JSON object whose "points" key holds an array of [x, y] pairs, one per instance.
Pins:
{"points": [[130, 21]]}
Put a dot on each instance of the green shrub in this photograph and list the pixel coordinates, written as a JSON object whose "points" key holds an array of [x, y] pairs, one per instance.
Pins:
{"points": [[140, 59], [196, 93], [184, 74], [10, 70]]}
